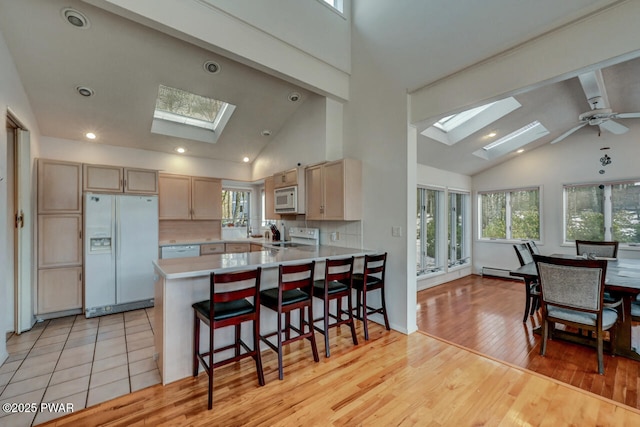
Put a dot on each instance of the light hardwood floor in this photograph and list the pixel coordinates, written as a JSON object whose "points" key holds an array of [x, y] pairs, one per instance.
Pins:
{"points": [[392, 379]]}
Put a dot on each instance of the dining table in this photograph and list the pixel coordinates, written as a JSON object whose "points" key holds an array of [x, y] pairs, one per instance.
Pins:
{"points": [[622, 280]]}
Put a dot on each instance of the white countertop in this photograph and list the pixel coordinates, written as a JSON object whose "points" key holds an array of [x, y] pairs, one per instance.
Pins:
{"points": [[178, 268], [258, 240]]}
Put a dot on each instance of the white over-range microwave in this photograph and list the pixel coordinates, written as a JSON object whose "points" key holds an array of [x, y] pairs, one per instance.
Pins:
{"points": [[286, 200]]}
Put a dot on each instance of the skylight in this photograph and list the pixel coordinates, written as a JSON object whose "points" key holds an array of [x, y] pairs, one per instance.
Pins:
{"points": [[454, 128], [187, 115], [512, 141]]}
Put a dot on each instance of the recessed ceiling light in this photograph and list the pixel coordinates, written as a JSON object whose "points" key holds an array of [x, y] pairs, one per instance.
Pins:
{"points": [[90, 135], [266, 132], [75, 18], [294, 97], [212, 67], [85, 91], [180, 150], [246, 160], [520, 151], [491, 134]]}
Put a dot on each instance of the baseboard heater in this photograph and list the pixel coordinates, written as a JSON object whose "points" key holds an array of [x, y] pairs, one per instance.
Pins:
{"points": [[497, 272], [118, 308]]}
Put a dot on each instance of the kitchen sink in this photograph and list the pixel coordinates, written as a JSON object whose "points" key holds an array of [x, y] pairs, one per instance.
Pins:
{"points": [[285, 244]]}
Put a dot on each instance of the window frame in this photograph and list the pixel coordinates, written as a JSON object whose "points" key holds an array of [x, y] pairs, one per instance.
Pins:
{"points": [[246, 214], [508, 217]]}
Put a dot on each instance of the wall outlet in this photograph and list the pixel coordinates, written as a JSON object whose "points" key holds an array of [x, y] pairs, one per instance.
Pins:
{"points": [[155, 356], [396, 231], [335, 236]]}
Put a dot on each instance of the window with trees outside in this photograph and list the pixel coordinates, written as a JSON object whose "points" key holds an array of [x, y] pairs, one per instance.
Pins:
{"points": [[443, 232], [603, 212], [235, 207], [510, 214]]}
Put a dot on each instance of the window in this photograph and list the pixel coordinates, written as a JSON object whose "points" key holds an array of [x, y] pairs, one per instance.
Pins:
{"points": [[603, 212], [187, 115], [513, 214], [235, 207], [459, 230], [443, 232], [336, 4], [430, 217]]}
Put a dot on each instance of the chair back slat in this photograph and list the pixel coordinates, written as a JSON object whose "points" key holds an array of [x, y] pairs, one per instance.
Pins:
{"points": [[375, 265], [338, 269], [237, 286], [298, 276], [533, 247], [600, 249]]}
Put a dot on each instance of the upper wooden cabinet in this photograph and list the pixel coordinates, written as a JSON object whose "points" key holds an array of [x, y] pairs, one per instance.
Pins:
{"points": [[334, 190], [185, 197], [286, 178], [103, 178], [59, 187]]}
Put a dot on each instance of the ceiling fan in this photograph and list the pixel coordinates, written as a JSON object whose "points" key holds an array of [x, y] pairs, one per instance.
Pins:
{"points": [[600, 115]]}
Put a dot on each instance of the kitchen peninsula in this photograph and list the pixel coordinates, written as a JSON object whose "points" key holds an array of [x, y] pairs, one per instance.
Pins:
{"points": [[181, 282]]}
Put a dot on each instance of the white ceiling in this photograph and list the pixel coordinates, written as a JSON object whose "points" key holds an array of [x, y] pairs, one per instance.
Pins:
{"points": [[416, 42]]}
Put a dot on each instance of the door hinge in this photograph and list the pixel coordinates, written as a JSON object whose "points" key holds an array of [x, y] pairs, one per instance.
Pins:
{"points": [[20, 219]]}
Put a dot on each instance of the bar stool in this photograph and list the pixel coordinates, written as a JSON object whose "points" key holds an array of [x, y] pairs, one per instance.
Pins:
{"points": [[371, 279], [230, 308], [332, 288], [294, 292]]}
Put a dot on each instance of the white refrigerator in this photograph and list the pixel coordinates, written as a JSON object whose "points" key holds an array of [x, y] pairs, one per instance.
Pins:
{"points": [[120, 243]]}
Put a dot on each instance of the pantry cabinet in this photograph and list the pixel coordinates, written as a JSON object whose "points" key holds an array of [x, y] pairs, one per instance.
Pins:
{"points": [[114, 179], [189, 198], [334, 190], [59, 187]]}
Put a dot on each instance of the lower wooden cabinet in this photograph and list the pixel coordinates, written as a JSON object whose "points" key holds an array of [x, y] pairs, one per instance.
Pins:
{"points": [[59, 289], [255, 247], [212, 248], [237, 247]]}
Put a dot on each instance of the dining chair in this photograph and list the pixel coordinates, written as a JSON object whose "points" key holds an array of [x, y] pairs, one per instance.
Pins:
{"points": [[572, 293], [330, 289], [294, 292], [599, 249], [533, 247], [228, 306], [532, 290]]}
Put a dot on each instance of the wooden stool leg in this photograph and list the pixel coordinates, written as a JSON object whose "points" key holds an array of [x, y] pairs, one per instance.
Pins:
{"points": [[326, 328], [210, 369], [280, 369], [256, 349], [196, 343], [237, 340], [312, 338], [352, 322], [384, 309], [364, 314]]}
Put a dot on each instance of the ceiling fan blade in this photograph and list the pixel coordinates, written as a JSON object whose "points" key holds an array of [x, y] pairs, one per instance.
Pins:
{"points": [[628, 116], [569, 132], [613, 127]]}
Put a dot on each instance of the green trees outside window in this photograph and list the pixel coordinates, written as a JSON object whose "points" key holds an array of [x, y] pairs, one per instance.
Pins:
{"points": [[513, 214]]}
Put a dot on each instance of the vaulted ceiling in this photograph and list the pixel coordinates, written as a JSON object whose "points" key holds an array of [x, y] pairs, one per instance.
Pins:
{"points": [[417, 42]]}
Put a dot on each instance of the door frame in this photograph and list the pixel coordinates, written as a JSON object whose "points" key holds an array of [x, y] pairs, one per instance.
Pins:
{"points": [[23, 230]]}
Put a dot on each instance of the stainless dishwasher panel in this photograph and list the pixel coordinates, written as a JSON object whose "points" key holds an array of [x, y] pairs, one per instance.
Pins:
{"points": [[180, 251]]}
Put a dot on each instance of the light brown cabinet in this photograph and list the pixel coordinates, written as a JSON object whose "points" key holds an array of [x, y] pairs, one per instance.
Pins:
{"points": [[114, 179], [59, 187], [212, 248], [59, 289], [255, 247], [232, 248], [189, 198], [286, 178], [59, 240], [334, 190]]}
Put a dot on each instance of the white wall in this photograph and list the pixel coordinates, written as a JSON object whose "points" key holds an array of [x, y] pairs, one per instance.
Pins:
{"points": [[574, 160], [301, 140], [376, 132], [84, 152], [12, 95]]}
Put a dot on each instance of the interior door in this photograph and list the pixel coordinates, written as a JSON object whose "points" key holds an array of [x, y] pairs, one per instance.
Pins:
{"points": [[24, 232]]}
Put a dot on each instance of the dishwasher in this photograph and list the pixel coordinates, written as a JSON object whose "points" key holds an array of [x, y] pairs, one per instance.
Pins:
{"points": [[180, 251]]}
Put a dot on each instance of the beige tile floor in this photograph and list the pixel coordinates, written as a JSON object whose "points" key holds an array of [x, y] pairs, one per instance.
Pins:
{"points": [[79, 361]]}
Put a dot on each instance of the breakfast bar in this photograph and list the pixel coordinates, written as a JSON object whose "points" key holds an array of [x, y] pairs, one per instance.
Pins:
{"points": [[183, 281]]}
